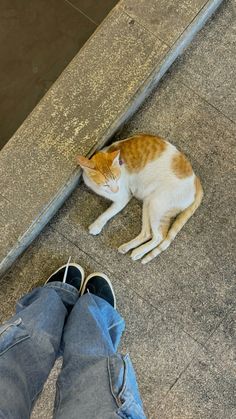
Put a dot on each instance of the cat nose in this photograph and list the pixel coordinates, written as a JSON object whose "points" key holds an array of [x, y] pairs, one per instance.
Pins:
{"points": [[114, 188]]}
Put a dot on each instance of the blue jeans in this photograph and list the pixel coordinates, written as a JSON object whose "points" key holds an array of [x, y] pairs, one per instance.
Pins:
{"points": [[95, 381]]}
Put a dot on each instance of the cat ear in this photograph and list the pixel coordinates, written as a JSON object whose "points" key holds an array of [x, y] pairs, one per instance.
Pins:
{"points": [[115, 157], [84, 162]]}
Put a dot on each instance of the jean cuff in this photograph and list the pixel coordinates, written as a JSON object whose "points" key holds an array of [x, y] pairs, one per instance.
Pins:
{"points": [[64, 287]]}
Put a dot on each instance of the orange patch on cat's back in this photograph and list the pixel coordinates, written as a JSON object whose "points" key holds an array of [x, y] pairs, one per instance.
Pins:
{"points": [[181, 166], [139, 150]]}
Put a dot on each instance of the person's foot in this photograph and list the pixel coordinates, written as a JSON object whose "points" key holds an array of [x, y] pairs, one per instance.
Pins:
{"points": [[100, 285], [71, 273]]}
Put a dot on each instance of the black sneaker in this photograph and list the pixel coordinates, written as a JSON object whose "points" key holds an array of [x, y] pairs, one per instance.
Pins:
{"points": [[71, 273], [100, 285]]}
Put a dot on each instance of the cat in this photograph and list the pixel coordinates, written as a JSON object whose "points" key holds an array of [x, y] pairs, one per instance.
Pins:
{"points": [[152, 170]]}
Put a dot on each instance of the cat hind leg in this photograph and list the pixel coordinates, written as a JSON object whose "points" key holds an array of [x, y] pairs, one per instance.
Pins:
{"points": [[144, 235], [155, 215], [155, 252]]}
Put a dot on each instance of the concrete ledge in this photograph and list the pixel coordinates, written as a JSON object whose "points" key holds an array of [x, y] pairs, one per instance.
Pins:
{"points": [[101, 88]]}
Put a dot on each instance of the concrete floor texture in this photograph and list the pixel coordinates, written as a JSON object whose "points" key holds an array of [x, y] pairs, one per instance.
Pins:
{"points": [[179, 309]]}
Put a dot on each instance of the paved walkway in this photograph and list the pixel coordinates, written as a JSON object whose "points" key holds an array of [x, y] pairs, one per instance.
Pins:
{"points": [[179, 309]]}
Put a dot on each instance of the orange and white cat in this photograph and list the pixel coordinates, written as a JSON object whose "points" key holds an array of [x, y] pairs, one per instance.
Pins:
{"points": [[154, 171]]}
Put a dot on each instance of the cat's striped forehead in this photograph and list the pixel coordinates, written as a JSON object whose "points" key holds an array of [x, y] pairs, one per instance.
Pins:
{"points": [[104, 162], [104, 167]]}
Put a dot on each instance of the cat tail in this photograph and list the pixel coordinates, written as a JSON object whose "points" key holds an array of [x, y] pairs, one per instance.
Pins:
{"points": [[178, 223]]}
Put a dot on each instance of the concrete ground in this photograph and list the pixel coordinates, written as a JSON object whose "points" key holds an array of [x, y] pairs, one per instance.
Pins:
{"points": [[180, 309], [38, 40]]}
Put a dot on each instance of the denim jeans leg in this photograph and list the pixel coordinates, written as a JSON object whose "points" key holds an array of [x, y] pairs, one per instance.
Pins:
{"points": [[29, 344], [95, 381]]}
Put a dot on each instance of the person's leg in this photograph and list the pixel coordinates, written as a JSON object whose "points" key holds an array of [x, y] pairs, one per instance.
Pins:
{"points": [[30, 342], [95, 381]]}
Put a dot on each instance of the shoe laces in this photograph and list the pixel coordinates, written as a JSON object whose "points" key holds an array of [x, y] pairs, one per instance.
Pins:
{"points": [[66, 270]]}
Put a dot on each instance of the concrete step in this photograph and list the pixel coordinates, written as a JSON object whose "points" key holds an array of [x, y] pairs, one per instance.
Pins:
{"points": [[102, 87]]}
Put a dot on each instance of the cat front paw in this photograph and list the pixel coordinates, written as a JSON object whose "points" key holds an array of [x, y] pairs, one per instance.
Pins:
{"points": [[95, 229]]}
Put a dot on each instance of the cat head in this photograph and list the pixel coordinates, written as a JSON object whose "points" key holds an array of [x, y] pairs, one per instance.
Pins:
{"points": [[103, 170]]}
